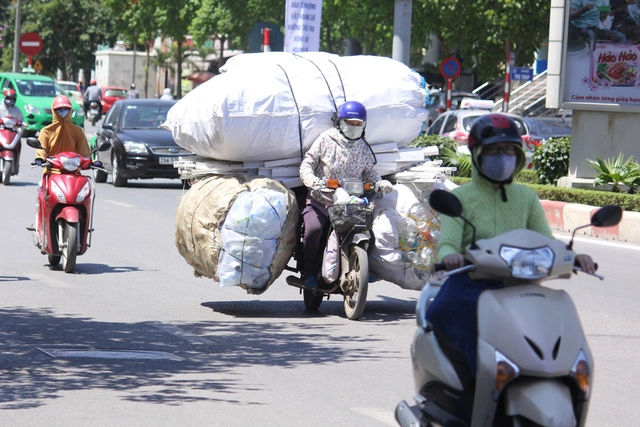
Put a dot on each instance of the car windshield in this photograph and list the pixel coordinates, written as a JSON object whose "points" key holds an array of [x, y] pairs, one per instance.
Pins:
{"points": [[144, 116], [468, 121], [118, 93], [548, 129], [68, 86], [38, 88]]}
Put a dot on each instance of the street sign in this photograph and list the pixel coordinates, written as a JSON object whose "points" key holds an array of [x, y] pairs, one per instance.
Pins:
{"points": [[522, 74], [30, 44], [450, 67], [37, 66]]}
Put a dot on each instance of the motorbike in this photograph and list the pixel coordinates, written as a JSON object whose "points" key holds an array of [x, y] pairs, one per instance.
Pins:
{"points": [[95, 111], [352, 223], [10, 146], [534, 366], [64, 211]]}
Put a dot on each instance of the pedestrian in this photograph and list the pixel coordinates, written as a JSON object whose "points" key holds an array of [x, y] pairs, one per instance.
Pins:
{"points": [[133, 93], [167, 94]]}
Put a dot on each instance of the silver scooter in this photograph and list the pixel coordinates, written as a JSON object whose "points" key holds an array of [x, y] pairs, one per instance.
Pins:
{"points": [[534, 367]]}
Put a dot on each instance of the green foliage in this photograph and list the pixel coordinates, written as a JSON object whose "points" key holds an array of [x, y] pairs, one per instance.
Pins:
{"points": [[448, 152], [551, 160], [527, 176], [617, 172], [433, 140], [461, 161]]}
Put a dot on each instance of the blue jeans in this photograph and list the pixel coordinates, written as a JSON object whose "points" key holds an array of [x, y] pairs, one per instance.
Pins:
{"points": [[454, 311]]}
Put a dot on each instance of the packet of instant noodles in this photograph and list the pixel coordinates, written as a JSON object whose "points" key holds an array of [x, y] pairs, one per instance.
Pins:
{"points": [[614, 64]]}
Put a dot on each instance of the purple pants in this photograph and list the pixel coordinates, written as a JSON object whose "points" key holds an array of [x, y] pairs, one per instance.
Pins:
{"points": [[315, 217]]}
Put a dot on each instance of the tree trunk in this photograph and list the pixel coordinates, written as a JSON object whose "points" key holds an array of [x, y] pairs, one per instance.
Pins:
{"points": [[147, 46], [178, 78]]}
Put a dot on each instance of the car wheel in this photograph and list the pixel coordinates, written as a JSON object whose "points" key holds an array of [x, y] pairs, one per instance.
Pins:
{"points": [[118, 180]]}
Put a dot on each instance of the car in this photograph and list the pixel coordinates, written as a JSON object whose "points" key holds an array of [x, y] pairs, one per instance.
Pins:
{"points": [[111, 94], [438, 102], [34, 95], [72, 89], [139, 148], [543, 129]]}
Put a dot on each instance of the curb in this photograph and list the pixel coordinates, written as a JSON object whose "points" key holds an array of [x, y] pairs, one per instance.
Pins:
{"points": [[565, 217]]}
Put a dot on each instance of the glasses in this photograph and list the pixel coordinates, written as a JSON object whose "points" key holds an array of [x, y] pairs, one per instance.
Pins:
{"points": [[61, 110], [494, 150]]}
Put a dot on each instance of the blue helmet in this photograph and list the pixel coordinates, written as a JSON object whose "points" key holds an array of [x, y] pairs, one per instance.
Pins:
{"points": [[352, 110]]}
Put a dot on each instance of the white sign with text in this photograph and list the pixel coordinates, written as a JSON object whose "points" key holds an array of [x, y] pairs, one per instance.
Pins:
{"points": [[302, 25]]}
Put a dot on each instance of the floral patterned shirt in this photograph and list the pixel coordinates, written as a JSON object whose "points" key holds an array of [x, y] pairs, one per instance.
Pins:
{"points": [[332, 157]]}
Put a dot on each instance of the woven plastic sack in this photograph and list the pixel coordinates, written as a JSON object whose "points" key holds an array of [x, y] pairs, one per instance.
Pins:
{"points": [[201, 230]]}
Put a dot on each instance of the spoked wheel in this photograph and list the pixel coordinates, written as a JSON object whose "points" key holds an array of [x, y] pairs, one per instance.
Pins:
{"points": [[312, 300], [358, 277], [70, 246], [118, 180], [6, 172], [54, 260]]}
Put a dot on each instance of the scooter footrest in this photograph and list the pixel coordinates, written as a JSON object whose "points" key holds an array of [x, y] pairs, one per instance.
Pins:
{"points": [[31, 228]]}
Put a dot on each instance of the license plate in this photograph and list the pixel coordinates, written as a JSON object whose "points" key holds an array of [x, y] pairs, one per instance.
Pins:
{"points": [[167, 160]]}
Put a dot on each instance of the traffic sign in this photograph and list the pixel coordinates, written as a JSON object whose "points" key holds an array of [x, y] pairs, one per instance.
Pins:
{"points": [[450, 67], [522, 74], [37, 66], [30, 44]]}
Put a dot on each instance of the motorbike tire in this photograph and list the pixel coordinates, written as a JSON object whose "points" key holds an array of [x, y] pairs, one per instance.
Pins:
{"points": [[99, 176], [356, 298], [70, 250], [312, 300], [6, 172], [54, 260], [116, 178]]}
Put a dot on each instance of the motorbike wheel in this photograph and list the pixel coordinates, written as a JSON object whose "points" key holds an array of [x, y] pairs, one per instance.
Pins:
{"points": [[312, 300], [6, 172], [54, 260], [99, 176], [356, 297], [118, 180], [70, 251]]}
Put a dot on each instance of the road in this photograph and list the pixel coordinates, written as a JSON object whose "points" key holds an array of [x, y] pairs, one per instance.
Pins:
{"points": [[170, 349]]}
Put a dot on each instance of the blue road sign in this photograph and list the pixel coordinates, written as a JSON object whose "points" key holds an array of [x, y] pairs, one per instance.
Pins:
{"points": [[521, 73], [450, 67]]}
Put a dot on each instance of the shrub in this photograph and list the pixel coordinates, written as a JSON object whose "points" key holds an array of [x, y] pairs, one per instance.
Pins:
{"points": [[617, 172], [551, 160], [431, 140], [527, 176]]}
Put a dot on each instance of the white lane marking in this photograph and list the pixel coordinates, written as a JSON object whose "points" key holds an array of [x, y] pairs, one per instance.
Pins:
{"points": [[181, 333], [115, 202], [596, 241], [50, 281], [381, 415]]}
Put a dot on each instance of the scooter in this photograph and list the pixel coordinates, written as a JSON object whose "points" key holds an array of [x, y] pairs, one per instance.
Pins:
{"points": [[352, 223], [534, 367], [64, 212], [10, 147], [95, 111]]}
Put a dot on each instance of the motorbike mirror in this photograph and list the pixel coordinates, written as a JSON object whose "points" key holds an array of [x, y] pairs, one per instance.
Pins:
{"points": [[607, 216], [107, 126], [34, 143], [104, 146], [446, 203]]}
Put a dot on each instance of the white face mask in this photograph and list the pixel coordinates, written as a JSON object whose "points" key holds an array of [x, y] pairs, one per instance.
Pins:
{"points": [[63, 112], [499, 167], [351, 132]]}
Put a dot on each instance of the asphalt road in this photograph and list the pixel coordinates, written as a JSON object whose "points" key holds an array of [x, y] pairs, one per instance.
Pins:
{"points": [[164, 348]]}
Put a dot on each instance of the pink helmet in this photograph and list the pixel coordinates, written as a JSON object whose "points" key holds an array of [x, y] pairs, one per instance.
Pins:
{"points": [[61, 101]]}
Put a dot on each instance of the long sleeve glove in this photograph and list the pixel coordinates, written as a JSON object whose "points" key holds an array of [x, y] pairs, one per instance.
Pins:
{"points": [[385, 186]]}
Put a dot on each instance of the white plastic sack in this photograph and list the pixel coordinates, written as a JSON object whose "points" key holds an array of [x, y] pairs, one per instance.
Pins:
{"points": [[331, 258], [273, 105]]}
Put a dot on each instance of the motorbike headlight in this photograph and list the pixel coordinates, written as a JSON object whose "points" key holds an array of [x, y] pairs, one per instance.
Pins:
{"points": [[57, 192], [353, 188], [135, 147], [581, 372], [70, 164], [31, 109], [86, 190], [505, 372], [528, 263]]}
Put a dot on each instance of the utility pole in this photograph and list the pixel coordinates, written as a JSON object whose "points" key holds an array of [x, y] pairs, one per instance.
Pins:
{"points": [[402, 31], [16, 39]]}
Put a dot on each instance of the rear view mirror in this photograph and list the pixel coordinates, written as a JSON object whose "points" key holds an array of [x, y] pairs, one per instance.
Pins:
{"points": [[607, 216], [446, 203], [103, 146], [34, 143]]}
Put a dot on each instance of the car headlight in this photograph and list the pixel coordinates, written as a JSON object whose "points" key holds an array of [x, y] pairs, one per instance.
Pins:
{"points": [[528, 263], [135, 147], [31, 109], [57, 192], [71, 163], [86, 190]]}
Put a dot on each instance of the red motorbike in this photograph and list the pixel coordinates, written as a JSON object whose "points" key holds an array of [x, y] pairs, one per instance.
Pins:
{"points": [[64, 211], [10, 146]]}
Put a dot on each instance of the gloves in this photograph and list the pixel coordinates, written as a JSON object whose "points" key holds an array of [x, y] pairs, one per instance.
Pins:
{"points": [[38, 162], [97, 163], [385, 186]]}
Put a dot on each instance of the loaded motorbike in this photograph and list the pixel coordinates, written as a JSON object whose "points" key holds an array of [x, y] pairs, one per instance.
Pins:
{"points": [[64, 210], [534, 366], [352, 223], [95, 111], [10, 147]]}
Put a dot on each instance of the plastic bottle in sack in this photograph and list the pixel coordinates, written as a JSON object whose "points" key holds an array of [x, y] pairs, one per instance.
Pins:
{"points": [[408, 234], [424, 258]]}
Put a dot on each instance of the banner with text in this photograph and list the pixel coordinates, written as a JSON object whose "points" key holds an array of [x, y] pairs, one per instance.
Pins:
{"points": [[302, 25]]}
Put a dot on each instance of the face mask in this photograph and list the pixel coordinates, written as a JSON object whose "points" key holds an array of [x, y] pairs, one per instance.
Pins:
{"points": [[9, 102], [499, 167], [63, 112], [351, 132]]}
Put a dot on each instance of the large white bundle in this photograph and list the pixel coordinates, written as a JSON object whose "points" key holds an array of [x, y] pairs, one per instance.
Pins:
{"points": [[270, 106]]}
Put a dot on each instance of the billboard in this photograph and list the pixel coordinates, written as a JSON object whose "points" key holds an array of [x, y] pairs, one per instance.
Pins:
{"points": [[601, 55]]}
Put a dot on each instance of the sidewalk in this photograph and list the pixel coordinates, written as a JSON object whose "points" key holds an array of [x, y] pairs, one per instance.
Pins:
{"points": [[565, 217]]}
